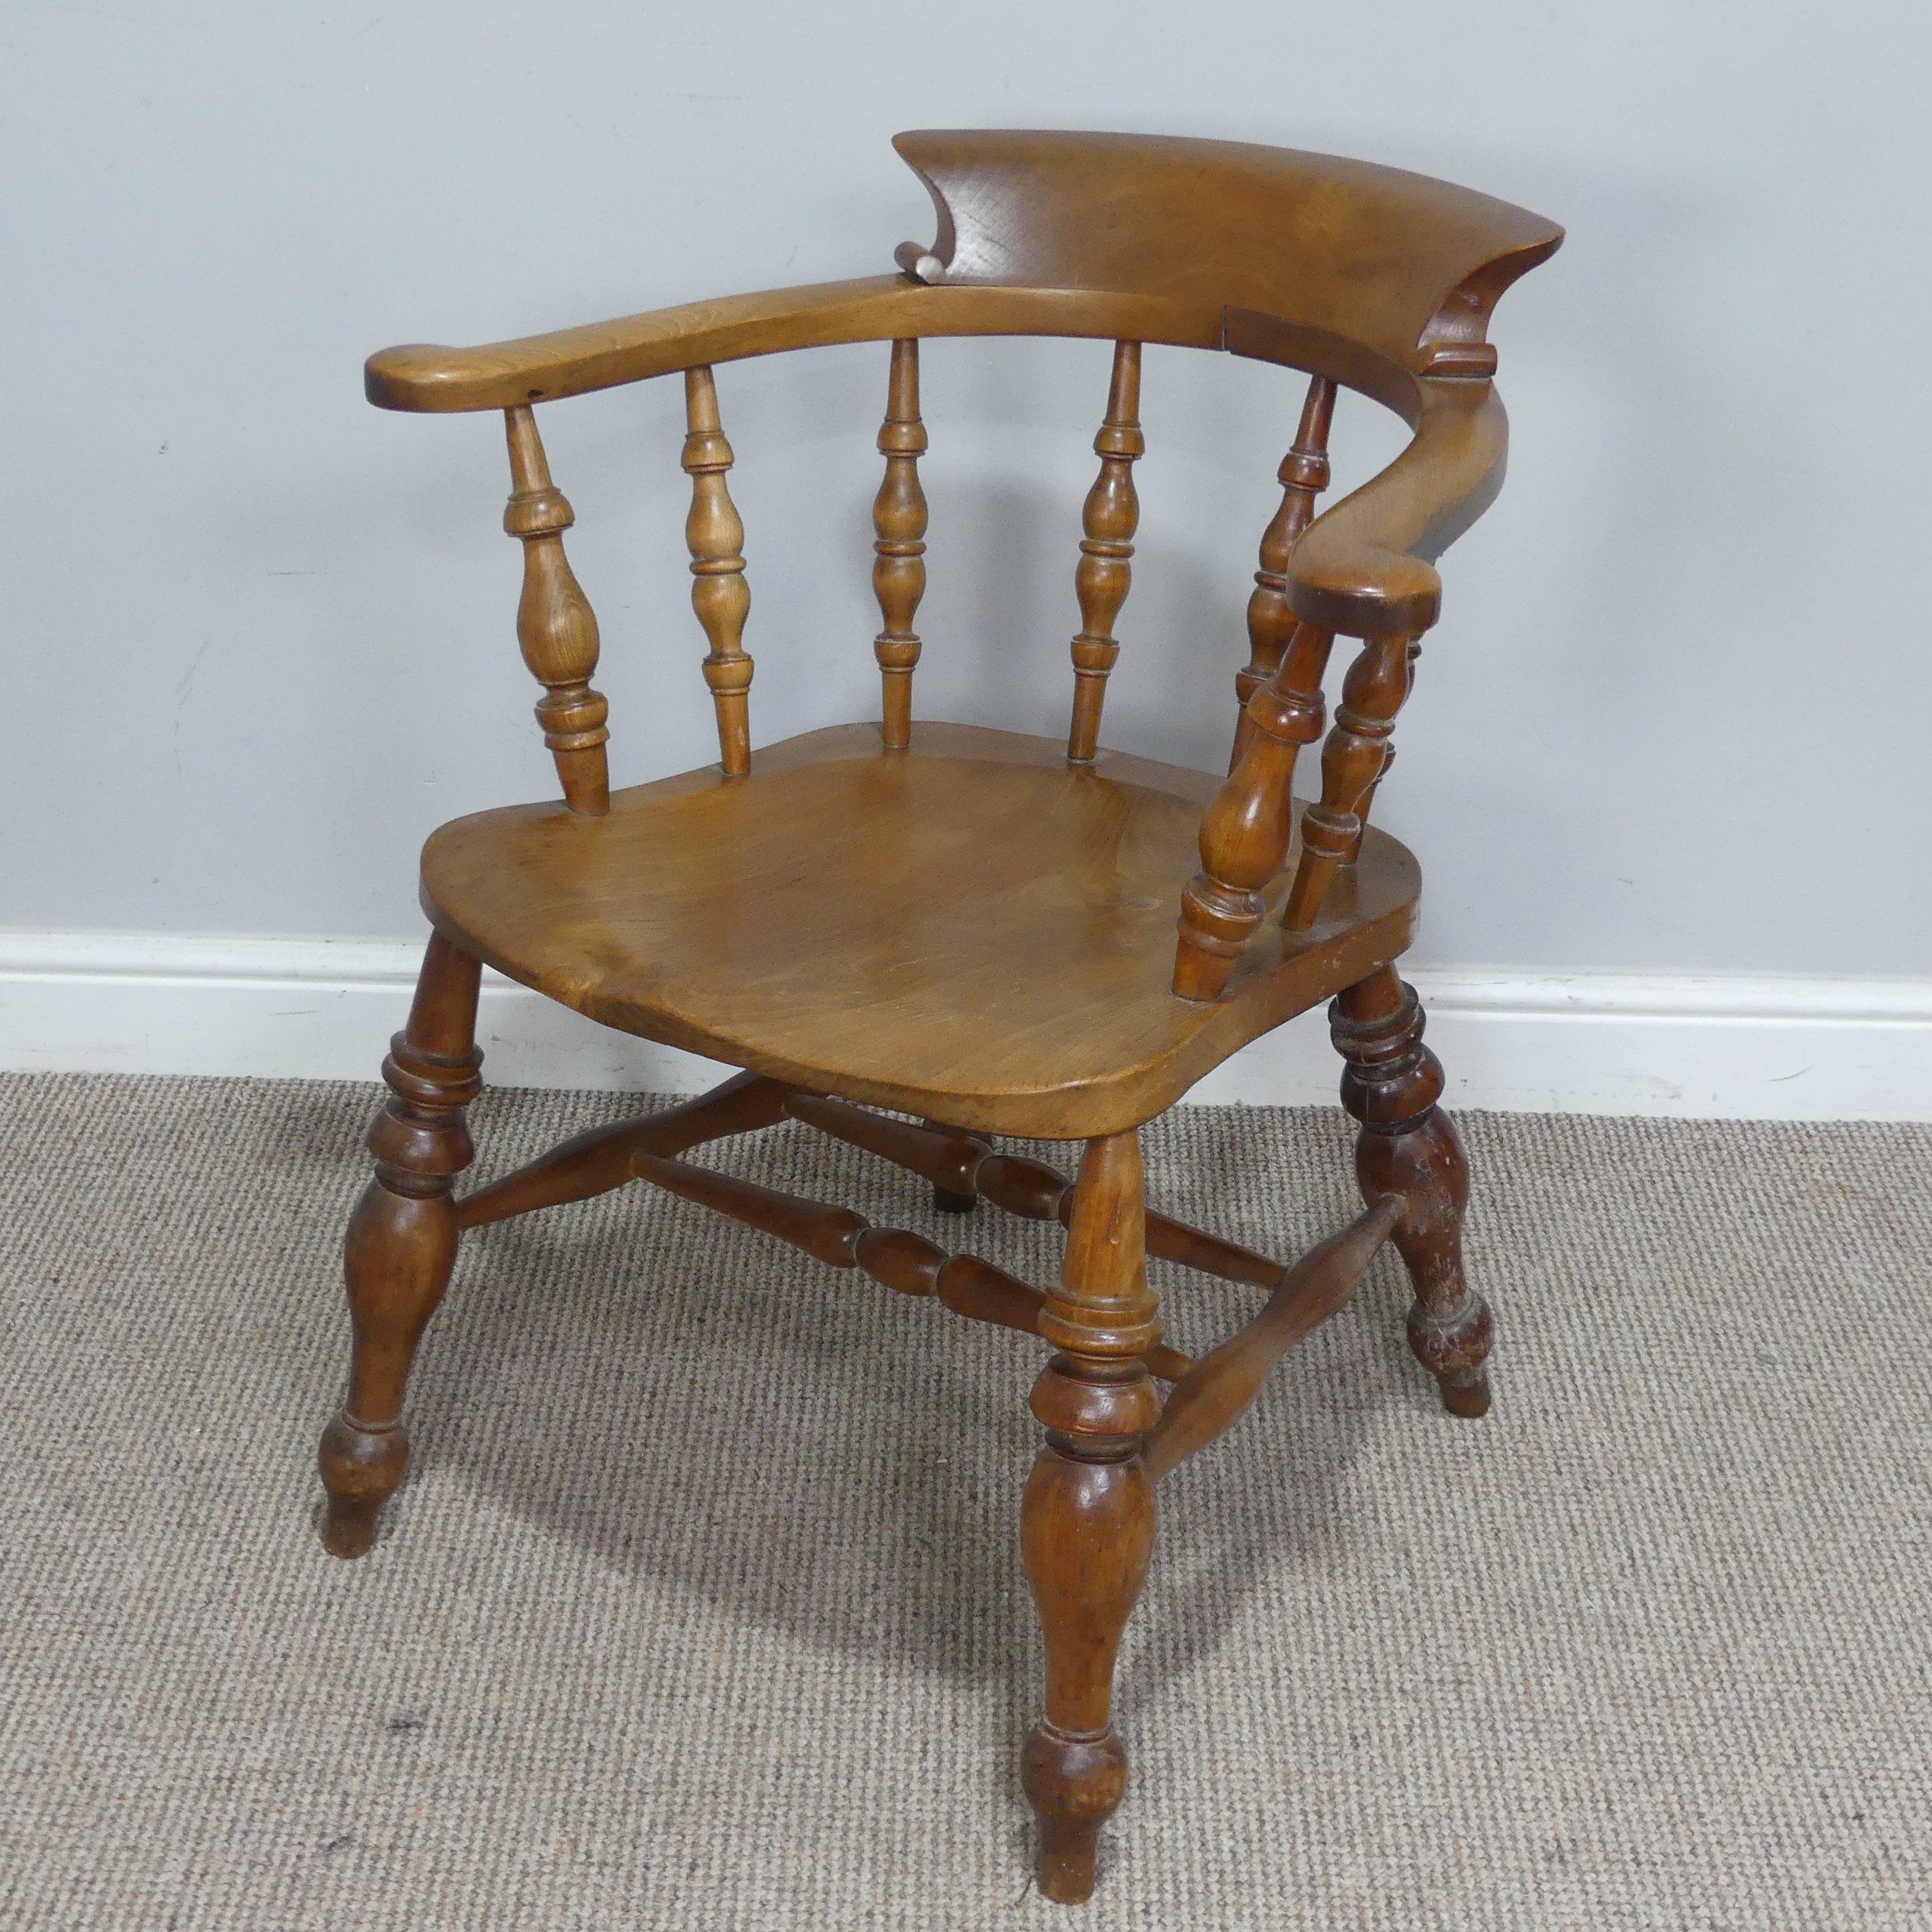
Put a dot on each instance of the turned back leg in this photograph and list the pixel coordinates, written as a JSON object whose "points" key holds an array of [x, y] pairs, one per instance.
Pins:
{"points": [[401, 1244], [1410, 1148], [1087, 1520]]}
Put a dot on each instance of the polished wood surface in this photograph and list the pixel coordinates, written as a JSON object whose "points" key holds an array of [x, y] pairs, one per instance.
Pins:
{"points": [[1217, 1390], [401, 1244], [1303, 476], [1384, 281], [1409, 1147], [554, 624], [1104, 227], [1101, 581], [715, 537], [996, 952], [899, 546], [895, 1257], [964, 1167], [1353, 759], [1245, 833], [1086, 1519], [982, 932]]}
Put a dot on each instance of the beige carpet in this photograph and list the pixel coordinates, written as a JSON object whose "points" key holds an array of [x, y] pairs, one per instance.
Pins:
{"points": [[702, 1608]]}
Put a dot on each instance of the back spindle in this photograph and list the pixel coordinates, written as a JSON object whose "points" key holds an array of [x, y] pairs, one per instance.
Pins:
{"points": [[899, 563], [715, 537], [1112, 512], [1304, 475], [554, 624]]}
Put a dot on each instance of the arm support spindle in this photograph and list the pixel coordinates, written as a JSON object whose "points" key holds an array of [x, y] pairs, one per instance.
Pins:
{"points": [[1304, 475], [1217, 1391], [1112, 513], [554, 624], [716, 537], [1245, 832], [1352, 761], [899, 565]]}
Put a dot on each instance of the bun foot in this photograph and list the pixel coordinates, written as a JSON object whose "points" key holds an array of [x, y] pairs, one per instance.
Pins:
{"points": [[1074, 1784], [1455, 1349], [348, 1526], [361, 1469]]}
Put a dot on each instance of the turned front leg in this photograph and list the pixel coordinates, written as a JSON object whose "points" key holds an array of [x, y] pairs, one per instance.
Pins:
{"points": [[1409, 1147], [1087, 1518], [401, 1245]]}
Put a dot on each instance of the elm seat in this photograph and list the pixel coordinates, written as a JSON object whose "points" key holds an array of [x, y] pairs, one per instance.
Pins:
{"points": [[891, 966], [990, 933]]}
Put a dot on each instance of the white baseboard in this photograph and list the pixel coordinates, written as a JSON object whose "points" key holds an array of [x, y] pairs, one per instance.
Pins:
{"points": [[1718, 1047]]}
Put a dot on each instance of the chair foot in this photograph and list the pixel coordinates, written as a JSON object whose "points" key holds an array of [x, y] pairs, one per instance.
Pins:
{"points": [[945, 1201], [401, 1245], [1074, 1784], [1454, 1350], [1410, 1148], [361, 1469]]}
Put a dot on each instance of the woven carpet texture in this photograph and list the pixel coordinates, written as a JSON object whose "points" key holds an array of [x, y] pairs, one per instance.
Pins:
{"points": [[702, 1605]]}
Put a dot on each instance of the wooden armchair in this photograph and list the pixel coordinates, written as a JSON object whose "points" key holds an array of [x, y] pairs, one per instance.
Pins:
{"points": [[972, 927]]}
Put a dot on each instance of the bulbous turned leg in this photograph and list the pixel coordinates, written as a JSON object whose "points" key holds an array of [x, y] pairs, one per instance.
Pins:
{"points": [[401, 1245], [1086, 1523], [1409, 1147]]}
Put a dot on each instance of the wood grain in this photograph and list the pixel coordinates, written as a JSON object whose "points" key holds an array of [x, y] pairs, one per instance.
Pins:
{"points": [[1408, 1146], [988, 932], [715, 537], [1101, 580], [895, 1257], [554, 624], [1086, 1521], [967, 866], [1303, 476], [899, 546], [1214, 1394], [402, 1240], [1352, 762]]}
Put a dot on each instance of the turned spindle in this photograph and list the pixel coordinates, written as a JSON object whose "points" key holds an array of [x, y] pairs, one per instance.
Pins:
{"points": [[1087, 1522], [1246, 832], [554, 624], [1101, 579], [1408, 1147], [1353, 850], [1352, 761], [901, 1260], [715, 537], [1304, 475], [402, 1240], [899, 564]]}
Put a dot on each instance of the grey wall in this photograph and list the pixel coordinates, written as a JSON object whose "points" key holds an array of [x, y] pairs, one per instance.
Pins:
{"points": [[261, 633]]}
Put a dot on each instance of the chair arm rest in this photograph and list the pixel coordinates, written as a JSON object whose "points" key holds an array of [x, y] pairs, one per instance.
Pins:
{"points": [[569, 362], [1366, 568]]}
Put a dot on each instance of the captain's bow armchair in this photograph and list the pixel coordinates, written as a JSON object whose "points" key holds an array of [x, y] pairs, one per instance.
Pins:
{"points": [[990, 933]]}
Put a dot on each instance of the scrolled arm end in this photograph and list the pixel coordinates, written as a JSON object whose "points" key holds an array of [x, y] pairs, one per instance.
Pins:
{"points": [[1365, 590], [402, 378], [1366, 568]]}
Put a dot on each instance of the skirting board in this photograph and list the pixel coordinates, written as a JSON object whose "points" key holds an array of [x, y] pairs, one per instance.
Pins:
{"points": [[1726, 1047]]}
